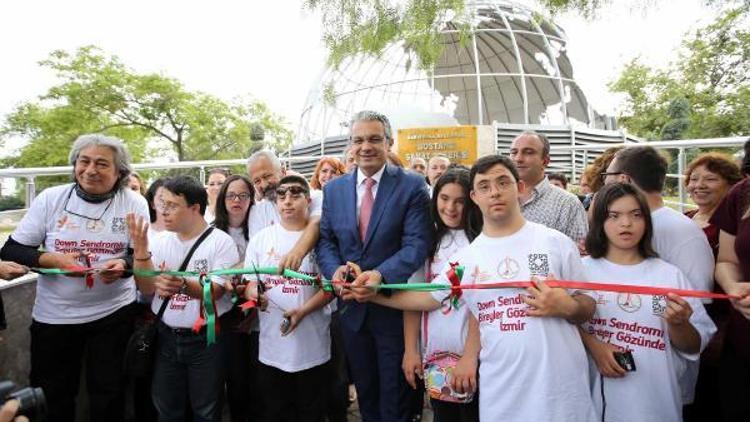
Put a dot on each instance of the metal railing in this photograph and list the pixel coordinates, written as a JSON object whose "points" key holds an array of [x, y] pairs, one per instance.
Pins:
{"points": [[680, 145], [31, 173], [588, 150]]}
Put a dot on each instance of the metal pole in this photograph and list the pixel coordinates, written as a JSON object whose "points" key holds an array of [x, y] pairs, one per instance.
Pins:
{"points": [[30, 191], [202, 175], [680, 172]]}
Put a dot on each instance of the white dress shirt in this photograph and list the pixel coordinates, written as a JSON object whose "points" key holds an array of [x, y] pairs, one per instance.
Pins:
{"points": [[361, 186]]}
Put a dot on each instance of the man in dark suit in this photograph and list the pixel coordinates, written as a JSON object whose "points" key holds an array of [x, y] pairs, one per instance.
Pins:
{"points": [[376, 217]]}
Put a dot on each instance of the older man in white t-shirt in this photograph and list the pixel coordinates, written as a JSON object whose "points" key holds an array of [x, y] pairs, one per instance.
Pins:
{"points": [[676, 239], [534, 366]]}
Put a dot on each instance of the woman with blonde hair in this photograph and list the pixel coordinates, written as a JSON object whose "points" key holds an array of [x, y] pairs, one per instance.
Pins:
{"points": [[328, 168]]}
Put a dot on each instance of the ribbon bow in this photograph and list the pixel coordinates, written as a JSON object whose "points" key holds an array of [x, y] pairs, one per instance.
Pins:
{"points": [[454, 274]]}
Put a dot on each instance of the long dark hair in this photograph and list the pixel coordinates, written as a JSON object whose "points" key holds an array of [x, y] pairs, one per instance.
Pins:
{"points": [[597, 243], [459, 176], [221, 215]]}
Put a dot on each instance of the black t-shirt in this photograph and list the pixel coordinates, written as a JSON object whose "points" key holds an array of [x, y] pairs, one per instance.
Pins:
{"points": [[3, 323]]}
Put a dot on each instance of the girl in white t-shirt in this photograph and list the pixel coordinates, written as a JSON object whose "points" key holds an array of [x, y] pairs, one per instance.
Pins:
{"points": [[233, 204], [442, 335], [660, 332]]}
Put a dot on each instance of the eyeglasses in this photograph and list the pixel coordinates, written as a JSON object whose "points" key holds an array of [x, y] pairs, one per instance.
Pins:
{"points": [[241, 196], [502, 185], [604, 174], [295, 191], [167, 207]]}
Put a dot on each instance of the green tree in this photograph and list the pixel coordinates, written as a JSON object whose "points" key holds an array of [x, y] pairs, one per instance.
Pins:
{"points": [[705, 93], [352, 27], [153, 113]]}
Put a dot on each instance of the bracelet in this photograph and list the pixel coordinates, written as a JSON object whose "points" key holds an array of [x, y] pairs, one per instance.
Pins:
{"points": [[148, 258]]}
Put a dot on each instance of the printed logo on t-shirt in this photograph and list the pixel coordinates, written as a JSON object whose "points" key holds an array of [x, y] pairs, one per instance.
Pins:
{"points": [[508, 268], [538, 264], [178, 302], [658, 304], [95, 226], [629, 302], [65, 223], [479, 275], [201, 265], [118, 225]]}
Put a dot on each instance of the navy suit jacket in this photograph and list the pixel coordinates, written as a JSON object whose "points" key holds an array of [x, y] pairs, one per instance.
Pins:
{"points": [[397, 240]]}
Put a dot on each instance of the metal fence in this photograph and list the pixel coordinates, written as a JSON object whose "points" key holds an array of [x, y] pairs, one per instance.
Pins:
{"points": [[571, 150]]}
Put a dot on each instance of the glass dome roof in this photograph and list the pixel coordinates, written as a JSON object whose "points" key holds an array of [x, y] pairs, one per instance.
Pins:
{"points": [[515, 57]]}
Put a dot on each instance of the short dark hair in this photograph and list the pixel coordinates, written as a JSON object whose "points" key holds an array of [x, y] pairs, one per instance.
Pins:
{"points": [[151, 196], [293, 178], [644, 165], [560, 177], [542, 138], [597, 243], [189, 188], [484, 164]]}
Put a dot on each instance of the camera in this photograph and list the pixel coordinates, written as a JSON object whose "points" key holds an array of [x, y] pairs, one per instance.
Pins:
{"points": [[33, 405]]}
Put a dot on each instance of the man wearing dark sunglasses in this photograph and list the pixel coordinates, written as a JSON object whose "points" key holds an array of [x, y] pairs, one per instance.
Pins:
{"points": [[295, 344]]}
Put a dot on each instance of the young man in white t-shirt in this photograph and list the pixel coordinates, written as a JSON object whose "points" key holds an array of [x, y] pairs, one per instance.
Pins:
{"points": [[295, 342], [187, 371], [534, 366]]}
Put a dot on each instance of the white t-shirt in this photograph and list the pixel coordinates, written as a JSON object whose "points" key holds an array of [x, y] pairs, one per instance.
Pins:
{"points": [[67, 300], [443, 332], [217, 251], [680, 242], [238, 236], [209, 215], [264, 213], [309, 345], [634, 322], [532, 369]]}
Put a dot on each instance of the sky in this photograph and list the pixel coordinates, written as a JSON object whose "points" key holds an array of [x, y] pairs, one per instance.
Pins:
{"points": [[273, 50]]}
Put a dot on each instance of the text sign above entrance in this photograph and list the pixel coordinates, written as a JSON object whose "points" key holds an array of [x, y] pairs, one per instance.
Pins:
{"points": [[458, 143]]}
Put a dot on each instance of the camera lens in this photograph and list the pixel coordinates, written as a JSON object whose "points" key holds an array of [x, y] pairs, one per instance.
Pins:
{"points": [[33, 403]]}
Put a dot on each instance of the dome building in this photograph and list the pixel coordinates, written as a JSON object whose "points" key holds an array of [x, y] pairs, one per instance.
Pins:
{"points": [[513, 69]]}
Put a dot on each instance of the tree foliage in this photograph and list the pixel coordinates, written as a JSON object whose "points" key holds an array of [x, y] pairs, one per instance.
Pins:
{"points": [[353, 27], [154, 114], [705, 93]]}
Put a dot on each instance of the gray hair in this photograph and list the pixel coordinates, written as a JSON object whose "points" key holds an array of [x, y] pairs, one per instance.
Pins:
{"points": [[373, 116], [121, 159], [542, 138], [264, 153]]}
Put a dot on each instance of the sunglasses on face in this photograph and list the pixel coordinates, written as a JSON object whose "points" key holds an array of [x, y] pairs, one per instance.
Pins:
{"points": [[295, 191]]}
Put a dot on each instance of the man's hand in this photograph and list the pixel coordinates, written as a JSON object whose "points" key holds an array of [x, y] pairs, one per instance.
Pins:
{"points": [[464, 379], [364, 287], [8, 412], [10, 270], [547, 301], [603, 355], [112, 270], [138, 231], [411, 364], [251, 293], [167, 285], [291, 260]]}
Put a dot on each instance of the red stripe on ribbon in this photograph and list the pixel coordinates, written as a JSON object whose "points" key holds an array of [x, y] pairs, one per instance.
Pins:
{"points": [[585, 285]]}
